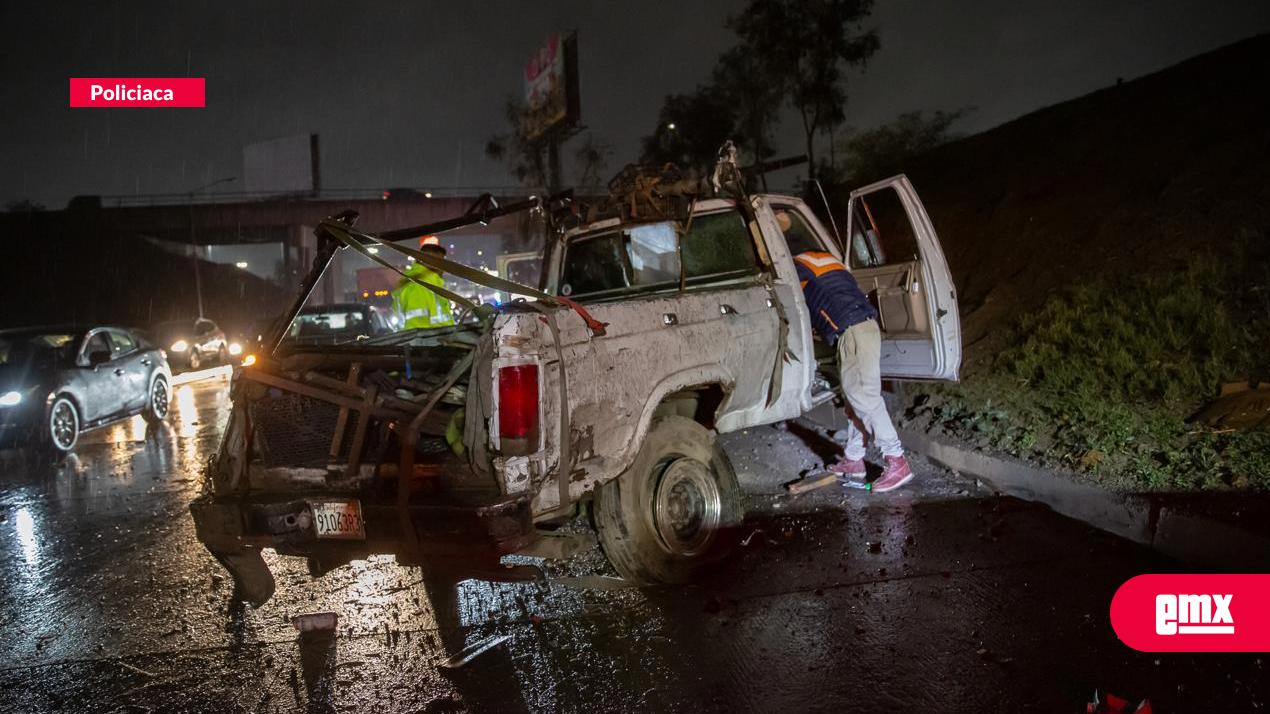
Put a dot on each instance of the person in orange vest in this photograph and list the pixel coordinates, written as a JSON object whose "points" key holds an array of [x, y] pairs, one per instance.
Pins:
{"points": [[415, 306], [843, 316]]}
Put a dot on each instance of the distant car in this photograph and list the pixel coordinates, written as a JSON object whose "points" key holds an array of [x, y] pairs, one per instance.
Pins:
{"points": [[57, 382], [331, 324], [336, 324], [194, 342]]}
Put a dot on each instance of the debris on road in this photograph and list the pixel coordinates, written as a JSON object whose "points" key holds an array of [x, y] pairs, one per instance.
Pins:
{"points": [[138, 670], [1115, 705], [471, 652], [315, 622], [1241, 407], [594, 582], [810, 483]]}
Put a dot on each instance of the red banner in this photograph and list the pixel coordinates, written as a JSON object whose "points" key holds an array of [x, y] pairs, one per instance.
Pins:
{"points": [[1193, 613], [138, 92]]}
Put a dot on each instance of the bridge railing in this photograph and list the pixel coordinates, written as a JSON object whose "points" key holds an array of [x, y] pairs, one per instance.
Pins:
{"points": [[330, 194]]}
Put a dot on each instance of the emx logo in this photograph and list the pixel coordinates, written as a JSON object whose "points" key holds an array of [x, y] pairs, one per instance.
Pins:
{"points": [[1193, 613]]}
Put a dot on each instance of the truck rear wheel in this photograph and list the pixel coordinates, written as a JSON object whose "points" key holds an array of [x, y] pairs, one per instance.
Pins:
{"points": [[674, 511]]}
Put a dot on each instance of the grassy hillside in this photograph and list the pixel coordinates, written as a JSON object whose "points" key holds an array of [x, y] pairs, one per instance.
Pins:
{"points": [[1111, 257]]}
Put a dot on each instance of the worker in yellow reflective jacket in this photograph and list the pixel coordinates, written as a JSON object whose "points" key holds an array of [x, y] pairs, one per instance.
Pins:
{"points": [[416, 306]]}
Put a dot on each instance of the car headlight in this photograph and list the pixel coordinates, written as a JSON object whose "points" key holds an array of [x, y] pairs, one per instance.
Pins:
{"points": [[235, 349], [249, 360], [180, 346], [10, 399]]}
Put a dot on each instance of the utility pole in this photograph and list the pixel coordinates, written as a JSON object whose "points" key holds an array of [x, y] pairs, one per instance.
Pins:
{"points": [[198, 278]]}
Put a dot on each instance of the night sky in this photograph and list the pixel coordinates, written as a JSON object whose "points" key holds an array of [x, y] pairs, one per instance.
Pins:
{"points": [[405, 94]]}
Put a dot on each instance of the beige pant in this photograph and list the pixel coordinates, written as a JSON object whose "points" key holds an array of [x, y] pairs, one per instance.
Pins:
{"points": [[859, 364]]}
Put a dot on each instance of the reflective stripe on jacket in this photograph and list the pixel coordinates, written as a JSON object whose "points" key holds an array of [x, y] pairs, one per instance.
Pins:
{"points": [[833, 296], [418, 307]]}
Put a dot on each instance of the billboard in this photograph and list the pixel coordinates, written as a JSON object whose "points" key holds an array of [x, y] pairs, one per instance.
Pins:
{"points": [[286, 165], [551, 86]]}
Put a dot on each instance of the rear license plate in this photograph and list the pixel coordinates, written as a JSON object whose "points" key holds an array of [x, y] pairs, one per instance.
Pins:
{"points": [[338, 519]]}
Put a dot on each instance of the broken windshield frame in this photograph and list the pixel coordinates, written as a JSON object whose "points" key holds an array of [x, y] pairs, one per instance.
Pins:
{"points": [[326, 292]]}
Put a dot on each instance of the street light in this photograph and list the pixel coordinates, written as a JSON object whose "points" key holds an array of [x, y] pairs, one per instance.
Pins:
{"points": [[198, 278], [671, 126], [242, 264]]}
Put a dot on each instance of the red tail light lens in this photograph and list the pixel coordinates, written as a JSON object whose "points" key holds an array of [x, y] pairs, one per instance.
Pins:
{"points": [[518, 408]]}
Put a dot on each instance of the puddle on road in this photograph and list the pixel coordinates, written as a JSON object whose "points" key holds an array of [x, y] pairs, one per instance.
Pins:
{"points": [[884, 604]]}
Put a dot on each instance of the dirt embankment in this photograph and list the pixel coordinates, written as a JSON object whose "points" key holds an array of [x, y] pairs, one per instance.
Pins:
{"points": [[1136, 178]]}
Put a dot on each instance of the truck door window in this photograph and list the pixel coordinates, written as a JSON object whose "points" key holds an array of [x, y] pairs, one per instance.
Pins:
{"points": [[798, 235], [881, 234]]}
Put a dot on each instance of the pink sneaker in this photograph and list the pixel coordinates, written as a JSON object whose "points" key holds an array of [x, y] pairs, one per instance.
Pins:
{"points": [[896, 474], [851, 468]]}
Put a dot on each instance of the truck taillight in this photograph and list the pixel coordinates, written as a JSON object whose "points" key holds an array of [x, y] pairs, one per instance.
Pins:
{"points": [[518, 408]]}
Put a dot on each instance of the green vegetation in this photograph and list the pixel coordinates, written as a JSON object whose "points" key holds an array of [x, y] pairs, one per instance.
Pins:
{"points": [[1102, 379], [891, 148]]}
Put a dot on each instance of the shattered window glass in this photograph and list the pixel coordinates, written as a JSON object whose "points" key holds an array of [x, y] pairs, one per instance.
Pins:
{"points": [[594, 265], [717, 244], [645, 256], [654, 254]]}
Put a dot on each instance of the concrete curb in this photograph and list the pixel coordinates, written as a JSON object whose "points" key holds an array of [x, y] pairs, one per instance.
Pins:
{"points": [[1141, 518]]}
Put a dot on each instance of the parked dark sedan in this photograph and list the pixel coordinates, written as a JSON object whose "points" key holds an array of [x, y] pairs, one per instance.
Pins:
{"points": [[192, 343], [56, 382]]}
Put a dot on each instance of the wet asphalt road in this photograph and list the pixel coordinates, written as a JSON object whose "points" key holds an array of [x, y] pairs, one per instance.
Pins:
{"points": [[938, 598]]}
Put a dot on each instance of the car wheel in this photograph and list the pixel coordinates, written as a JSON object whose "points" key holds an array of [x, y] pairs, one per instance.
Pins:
{"points": [[63, 426], [222, 356], [195, 360], [159, 401], [674, 511]]}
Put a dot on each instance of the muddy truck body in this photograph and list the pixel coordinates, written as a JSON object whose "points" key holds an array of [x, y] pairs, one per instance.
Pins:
{"points": [[452, 447]]}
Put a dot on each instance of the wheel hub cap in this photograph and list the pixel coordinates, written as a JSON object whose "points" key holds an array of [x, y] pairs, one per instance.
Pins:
{"points": [[63, 425], [160, 399], [687, 507]]}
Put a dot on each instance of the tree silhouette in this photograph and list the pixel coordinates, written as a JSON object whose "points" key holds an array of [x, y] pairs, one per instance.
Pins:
{"points": [[803, 47]]}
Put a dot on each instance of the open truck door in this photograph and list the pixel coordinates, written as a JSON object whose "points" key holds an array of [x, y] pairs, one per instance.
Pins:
{"points": [[896, 258]]}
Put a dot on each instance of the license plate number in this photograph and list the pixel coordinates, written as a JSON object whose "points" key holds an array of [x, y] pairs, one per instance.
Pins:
{"points": [[338, 519]]}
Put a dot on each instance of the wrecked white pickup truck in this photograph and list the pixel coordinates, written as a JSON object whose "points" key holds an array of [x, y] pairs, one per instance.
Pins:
{"points": [[677, 318]]}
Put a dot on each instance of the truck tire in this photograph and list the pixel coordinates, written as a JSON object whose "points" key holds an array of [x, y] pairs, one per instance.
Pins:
{"points": [[674, 511]]}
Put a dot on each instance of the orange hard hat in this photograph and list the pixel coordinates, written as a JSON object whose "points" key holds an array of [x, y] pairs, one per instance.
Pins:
{"points": [[431, 243]]}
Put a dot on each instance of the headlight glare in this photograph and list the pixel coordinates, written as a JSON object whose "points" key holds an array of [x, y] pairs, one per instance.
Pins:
{"points": [[180, 346], [235, 349]]}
